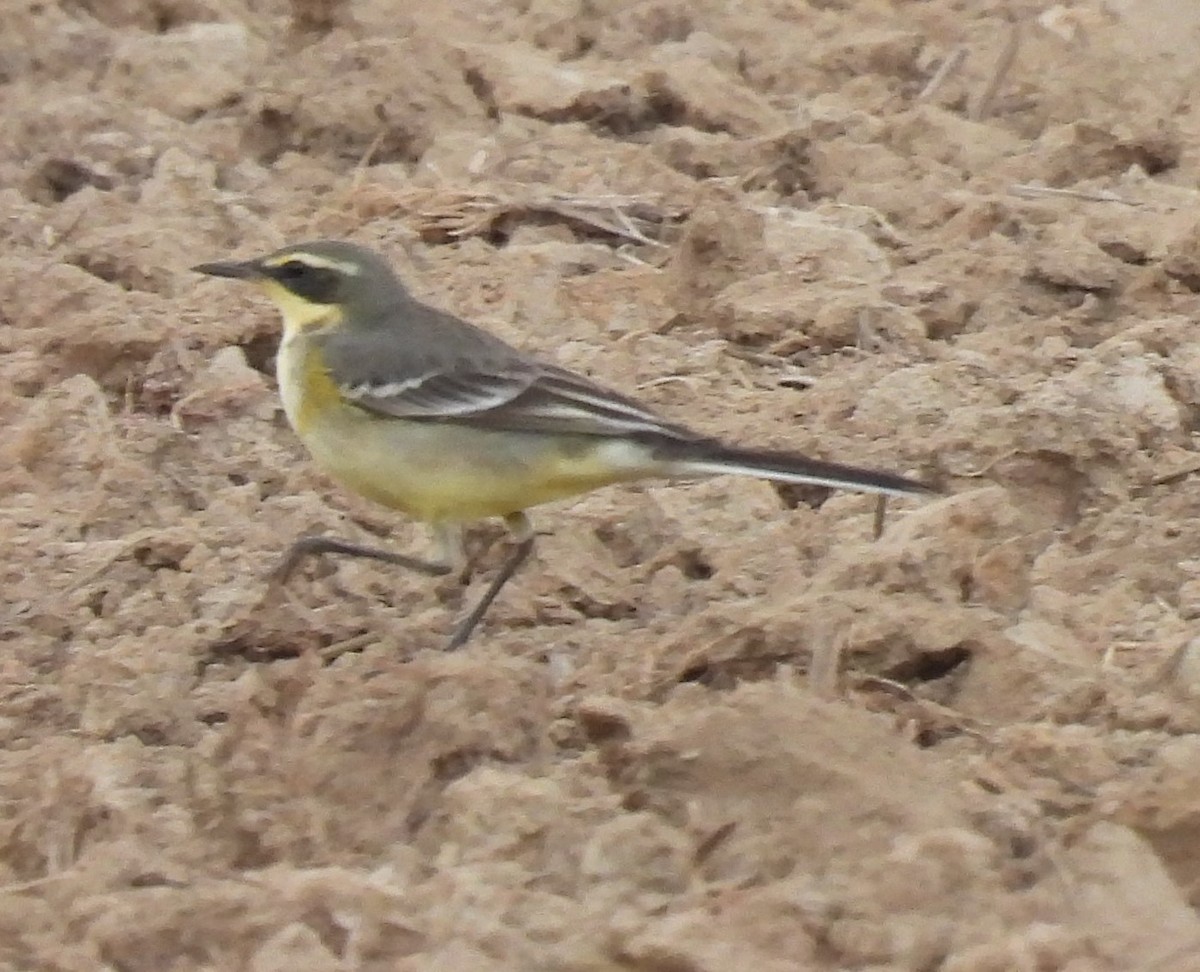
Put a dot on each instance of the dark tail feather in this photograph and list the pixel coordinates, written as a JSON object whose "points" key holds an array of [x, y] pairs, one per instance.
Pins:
{"points": [[716, 459]]}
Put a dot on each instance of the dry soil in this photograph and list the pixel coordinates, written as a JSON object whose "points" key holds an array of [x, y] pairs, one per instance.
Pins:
{"points": [[713, 727]]}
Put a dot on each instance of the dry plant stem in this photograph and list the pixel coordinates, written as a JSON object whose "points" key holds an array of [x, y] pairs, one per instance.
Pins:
{"points": [[1170, 670], [1036, 192], [954, 60], [794, 376], [636, 219], [983, 105], [880, 517]]}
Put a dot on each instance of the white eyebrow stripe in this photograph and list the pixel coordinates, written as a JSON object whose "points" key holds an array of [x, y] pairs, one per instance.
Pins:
{"points": [[311, 260]]}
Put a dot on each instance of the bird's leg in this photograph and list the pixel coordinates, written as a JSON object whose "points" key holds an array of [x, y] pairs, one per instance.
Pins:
{"points": [[522, 531], [317, 545], [452, 550]]}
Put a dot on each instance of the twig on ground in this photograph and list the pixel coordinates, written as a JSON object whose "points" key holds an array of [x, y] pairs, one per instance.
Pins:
{"points": [[983, 104], [794, 377], [1034, 191], [953, 61], [459, 214], [880, 516]]}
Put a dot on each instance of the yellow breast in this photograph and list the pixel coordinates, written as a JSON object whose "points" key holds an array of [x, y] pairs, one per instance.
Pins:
{"points": [[439, 471], [305, 386]]}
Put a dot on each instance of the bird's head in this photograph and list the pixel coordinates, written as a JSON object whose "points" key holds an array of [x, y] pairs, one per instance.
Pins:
{"points": [[319, 283]]}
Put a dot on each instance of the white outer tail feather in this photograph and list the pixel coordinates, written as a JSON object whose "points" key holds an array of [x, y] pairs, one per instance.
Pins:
{"points": [[684, 469]]}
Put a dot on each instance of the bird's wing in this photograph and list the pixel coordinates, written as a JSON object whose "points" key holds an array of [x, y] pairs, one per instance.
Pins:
{"points": [[438, 390], [478, 380], [559, 400]]}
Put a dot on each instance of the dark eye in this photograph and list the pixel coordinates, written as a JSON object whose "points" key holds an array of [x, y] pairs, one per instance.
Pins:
{"points": [[316, 284], [292, 270]]}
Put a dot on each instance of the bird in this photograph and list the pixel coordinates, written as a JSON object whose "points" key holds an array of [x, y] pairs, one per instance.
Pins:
{"points": [[427, 414]]}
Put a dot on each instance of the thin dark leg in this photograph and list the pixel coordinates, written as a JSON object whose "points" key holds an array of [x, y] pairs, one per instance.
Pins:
{"points": [[519, 524], [315, 546]]}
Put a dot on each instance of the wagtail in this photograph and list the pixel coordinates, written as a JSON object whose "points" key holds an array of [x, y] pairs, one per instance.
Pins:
{"points": [[425, 413]]}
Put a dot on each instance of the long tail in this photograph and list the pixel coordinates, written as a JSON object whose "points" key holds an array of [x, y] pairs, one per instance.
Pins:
{"points": [[717, 459]]}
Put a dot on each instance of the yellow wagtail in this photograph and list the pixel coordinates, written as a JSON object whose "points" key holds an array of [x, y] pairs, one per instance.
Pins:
{"points": [[420, 411]]}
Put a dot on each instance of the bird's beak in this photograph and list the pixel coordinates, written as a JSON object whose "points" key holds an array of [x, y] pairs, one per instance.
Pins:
{"points": [[238, 269]]}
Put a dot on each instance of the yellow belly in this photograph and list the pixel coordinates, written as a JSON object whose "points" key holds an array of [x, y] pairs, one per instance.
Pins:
{"points": [[445, 471], [449, 472]]}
